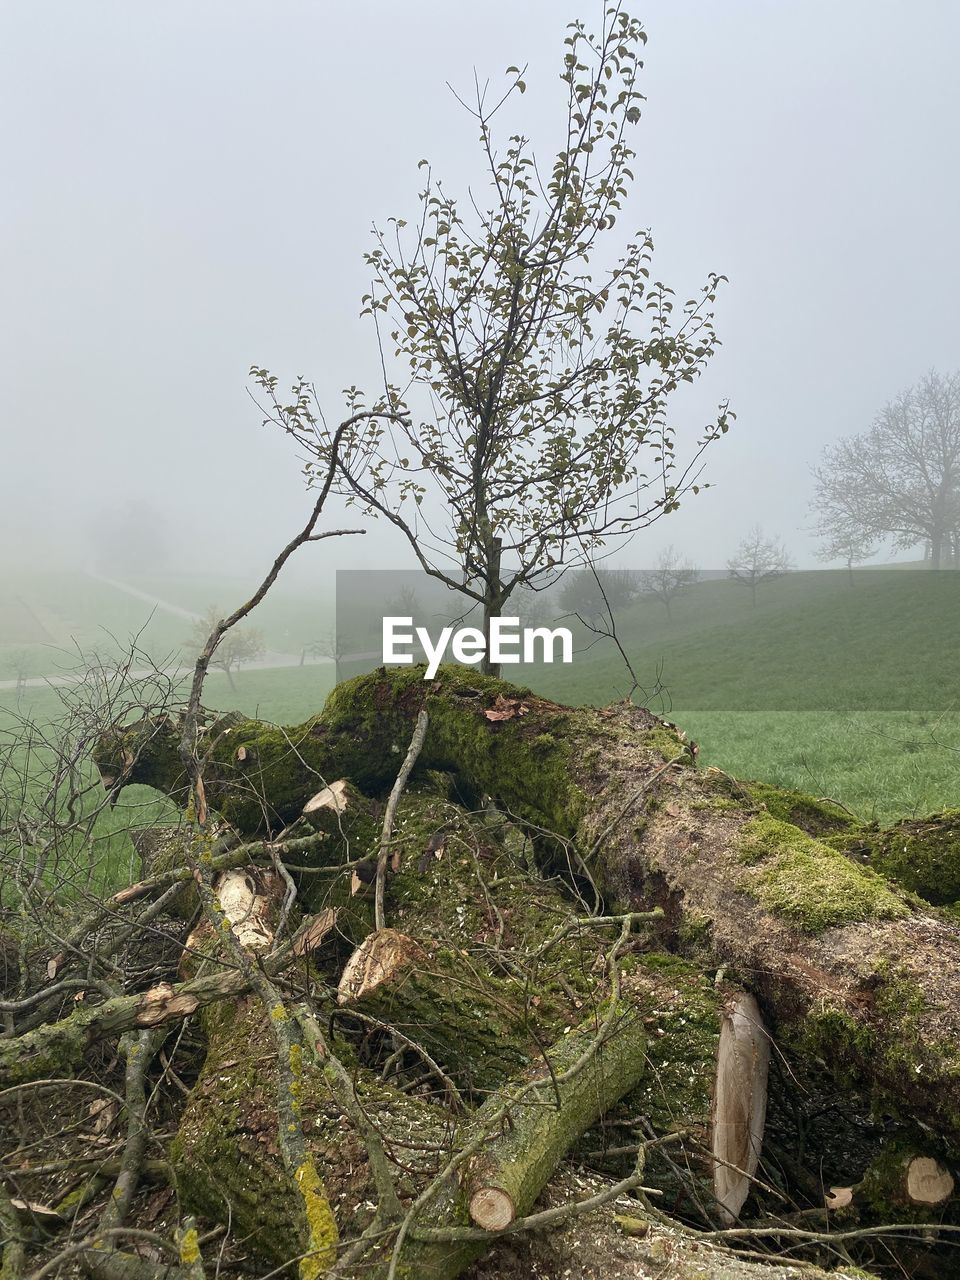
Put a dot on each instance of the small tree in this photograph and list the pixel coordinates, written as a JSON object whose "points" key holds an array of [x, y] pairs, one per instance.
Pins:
{"points": [[758, 559], [20, 663], [848, 543], [534, 423], [239, 645], [671, 577]]}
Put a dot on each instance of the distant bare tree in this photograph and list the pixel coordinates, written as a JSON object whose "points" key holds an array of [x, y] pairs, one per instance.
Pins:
{"points": [[671, 577], [758, 559], [845, 542], [592, 593], [899, 480], [332, 644], [242, 644]]}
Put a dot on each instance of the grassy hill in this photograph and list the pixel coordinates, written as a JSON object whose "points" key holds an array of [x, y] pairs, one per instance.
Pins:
{"points": [[48, 619], [851, 690], [814, 641]]}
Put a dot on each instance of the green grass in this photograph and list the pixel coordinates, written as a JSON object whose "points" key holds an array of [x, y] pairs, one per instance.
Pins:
{"points": [[881, 765], [813, 642], [105, 857], [851, 692], [48, 619]]}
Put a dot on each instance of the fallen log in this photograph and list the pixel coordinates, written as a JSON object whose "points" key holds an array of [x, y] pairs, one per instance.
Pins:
{"points": [[228, 1166], [845, 965], [922, 854]]}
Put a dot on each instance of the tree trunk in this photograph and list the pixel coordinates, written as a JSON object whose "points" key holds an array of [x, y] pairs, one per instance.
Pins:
{"points": [[492, 603], [936, 549]]}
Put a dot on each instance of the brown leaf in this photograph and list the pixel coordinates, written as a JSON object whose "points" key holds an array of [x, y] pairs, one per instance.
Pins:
{"points": [[157, 1203], [506, 709], [104, 1111]]}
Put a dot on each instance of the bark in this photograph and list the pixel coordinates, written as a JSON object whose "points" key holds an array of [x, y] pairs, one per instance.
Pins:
{"points": [[511, 1164], [470, 1029], [472, 1022], [922, 854], [228, 1164]]}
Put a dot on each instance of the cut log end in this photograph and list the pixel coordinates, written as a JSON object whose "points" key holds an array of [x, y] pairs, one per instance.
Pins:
{"points": [[928, 1182], [492, 1208], [383, 956], [333, 799]]}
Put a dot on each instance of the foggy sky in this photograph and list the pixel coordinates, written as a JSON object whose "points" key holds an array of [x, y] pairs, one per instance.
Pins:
{"points": [[188, 189]]}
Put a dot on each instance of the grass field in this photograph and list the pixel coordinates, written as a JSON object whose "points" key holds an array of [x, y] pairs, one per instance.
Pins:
{"points": [[847, 691], [48, 619]]}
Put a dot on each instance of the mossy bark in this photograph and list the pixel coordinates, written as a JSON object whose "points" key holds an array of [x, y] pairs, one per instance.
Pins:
{"points": [[843, 962], [922, 854], [228, 1165], [518, 1157]]}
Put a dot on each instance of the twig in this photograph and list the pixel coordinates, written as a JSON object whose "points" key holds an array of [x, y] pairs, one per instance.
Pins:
{"points": [[416, 743]]}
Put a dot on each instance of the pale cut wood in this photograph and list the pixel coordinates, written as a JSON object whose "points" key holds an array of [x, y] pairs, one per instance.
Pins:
{"points": [[928, 1182], [333, 799], [381, 957], [492, 1208], [739, 1102], [313, 931], [247, 898]]}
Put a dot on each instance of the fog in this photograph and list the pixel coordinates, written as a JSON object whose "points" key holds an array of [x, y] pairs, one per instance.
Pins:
{"points": [[188, 189]]}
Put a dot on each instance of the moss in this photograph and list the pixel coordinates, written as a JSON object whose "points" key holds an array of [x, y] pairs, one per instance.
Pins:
{"points": [[717, 804], [685, 1006], [831, 1034], [146, 751], [815, 817], [805, 880], [321, 1224], [670, 743], [694, 932], [922, 855]]}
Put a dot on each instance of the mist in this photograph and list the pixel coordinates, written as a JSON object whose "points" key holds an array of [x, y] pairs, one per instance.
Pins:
{"points": [[189, 190]]}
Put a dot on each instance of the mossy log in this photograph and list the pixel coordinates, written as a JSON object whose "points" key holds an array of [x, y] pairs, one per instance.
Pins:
{"points": [[57, 1048], [922, 854], [899, 1180], [845, 964], [462, 1017], [228, 1166], [346, 819], [502, 1181], [436, 999]]}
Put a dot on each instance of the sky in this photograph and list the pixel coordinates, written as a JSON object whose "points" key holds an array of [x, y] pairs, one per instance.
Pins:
{"points": [[188, 189]]}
